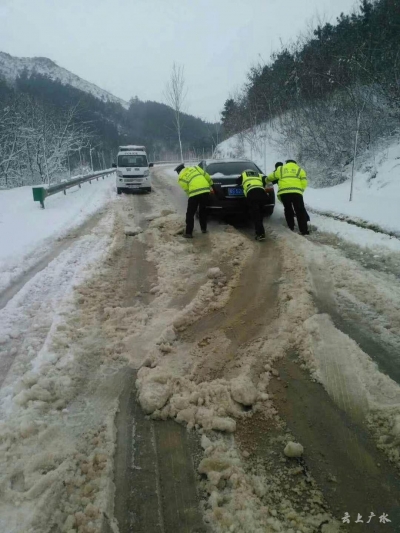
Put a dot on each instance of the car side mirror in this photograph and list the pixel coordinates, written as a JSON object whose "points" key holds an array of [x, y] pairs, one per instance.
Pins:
{"points": [[114, 165], [151, 165]]}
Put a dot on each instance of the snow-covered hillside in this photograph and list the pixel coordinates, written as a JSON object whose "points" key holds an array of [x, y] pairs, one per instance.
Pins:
{"points": [[11, 67], [376, 196]]}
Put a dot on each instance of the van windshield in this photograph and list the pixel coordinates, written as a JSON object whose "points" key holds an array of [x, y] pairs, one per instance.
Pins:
{"points": [[132, 161]]}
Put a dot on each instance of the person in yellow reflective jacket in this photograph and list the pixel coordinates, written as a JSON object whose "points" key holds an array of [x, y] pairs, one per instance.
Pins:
{"points": [[274, 178], [292, 182], [253, 185], [197, 185]]}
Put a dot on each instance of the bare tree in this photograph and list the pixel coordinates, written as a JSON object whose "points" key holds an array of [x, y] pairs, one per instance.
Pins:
{"points": [[175, 95]]}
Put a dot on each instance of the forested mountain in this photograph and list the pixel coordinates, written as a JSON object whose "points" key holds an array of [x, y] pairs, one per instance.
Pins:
{"points": [[332, 93], [50, 128], [153, 122], [12, 67]]}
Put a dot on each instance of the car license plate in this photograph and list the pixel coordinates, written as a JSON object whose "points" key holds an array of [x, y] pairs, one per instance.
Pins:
{"points": [[135, 186], [235, 191]]}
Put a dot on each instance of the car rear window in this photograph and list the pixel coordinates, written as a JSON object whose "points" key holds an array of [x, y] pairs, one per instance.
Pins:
{"points": [[231, 169]]}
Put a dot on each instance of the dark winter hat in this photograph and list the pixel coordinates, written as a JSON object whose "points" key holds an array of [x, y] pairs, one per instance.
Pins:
{"points": [[291, 161], [278, 164], [179, 168]]}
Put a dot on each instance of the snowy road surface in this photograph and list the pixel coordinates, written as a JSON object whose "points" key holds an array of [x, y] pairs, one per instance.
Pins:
{"points": [[151, 384]]}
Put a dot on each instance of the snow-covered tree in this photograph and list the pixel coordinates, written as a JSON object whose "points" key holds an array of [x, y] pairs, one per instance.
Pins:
{"points": [[37, 142]]}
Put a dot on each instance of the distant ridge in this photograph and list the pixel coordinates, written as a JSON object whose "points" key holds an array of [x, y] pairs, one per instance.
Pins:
{"points": [[11, 67]]}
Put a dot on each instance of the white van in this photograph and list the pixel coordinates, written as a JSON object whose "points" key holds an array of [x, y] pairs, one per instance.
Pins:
{"points": [[133, 169]]}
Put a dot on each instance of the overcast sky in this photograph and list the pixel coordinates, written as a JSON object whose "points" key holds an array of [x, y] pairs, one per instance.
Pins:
{"points": [[128, 46]]}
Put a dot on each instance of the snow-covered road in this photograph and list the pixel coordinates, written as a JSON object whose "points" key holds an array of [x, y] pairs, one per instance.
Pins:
{"points": [[131, 329]]}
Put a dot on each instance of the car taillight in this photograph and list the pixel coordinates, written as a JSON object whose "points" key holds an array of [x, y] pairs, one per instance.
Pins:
{"points": [[212, 191], [269, 188]]}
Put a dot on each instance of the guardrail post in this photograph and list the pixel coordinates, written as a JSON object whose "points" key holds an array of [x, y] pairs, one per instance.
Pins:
{"points": [[40, 192], [39, 195]]}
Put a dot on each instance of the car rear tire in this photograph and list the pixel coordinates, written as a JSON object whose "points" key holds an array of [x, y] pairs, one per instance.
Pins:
{"points": [[119, 191], [268, 211]]}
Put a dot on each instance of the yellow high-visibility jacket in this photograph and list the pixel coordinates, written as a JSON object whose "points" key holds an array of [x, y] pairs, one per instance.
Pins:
{"points": [[291, 178], [273, 176], [194, 181], [251, 180]]}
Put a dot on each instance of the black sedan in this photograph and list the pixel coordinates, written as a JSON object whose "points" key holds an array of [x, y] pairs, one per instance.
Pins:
{"points": [[228, 196]]}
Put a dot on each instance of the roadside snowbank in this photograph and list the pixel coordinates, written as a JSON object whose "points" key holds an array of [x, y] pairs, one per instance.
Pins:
{"points": [[380, 243], [27, 232], [376, 193], [55, 466]]}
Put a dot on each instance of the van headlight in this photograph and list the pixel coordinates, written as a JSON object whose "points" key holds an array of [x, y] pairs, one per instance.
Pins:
{"points": [[146, 173], [119, 173]]}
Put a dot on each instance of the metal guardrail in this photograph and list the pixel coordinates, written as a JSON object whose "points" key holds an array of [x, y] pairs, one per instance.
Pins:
{"points": [[41, 192]]}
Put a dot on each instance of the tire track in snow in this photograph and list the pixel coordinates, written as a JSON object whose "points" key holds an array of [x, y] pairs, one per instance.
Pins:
{"points": [[333, 351], [154, 477], [339, 453]]}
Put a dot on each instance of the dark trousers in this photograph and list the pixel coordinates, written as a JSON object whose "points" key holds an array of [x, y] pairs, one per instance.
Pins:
{"points": [[256, 199], [199, 201], [308, 216], [293, 201]]}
